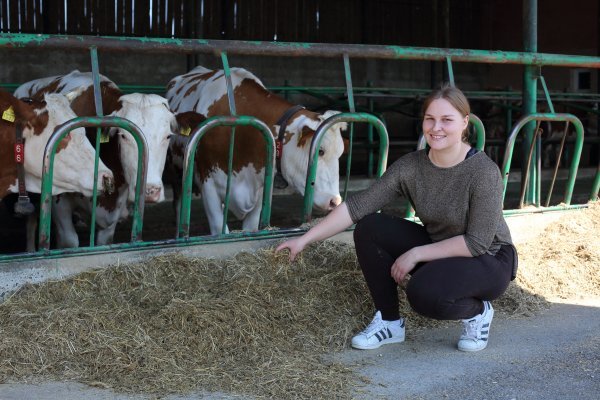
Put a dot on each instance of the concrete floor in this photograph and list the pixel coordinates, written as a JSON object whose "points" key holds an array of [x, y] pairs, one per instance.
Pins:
{"points": [[555, 355]]}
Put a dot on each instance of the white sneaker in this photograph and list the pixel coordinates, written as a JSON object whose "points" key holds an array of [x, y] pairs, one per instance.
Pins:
{"points": [[379, 332], [476, 330]]}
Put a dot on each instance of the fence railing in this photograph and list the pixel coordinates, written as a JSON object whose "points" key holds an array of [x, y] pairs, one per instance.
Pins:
{"points": [[191, 46]]}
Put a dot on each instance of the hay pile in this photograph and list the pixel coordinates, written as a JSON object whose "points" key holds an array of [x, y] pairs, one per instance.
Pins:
{"points": [[252, 325], [563, 262]]}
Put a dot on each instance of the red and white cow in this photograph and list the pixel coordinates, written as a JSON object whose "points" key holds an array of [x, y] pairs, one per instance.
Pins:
{"points": [[74, 160], [204, 91], [149, 112]]}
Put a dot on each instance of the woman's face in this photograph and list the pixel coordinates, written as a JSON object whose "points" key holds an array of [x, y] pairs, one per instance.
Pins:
{"points": [[443, 125]]}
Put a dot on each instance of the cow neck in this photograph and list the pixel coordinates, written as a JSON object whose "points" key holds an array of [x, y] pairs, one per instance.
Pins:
{"points": [[280, 182], [23, 206]]}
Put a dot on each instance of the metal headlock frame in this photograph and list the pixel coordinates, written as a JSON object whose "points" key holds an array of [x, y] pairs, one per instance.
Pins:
{"points": [[198, 133], [48, 170], [191, 46], [561, 117]]}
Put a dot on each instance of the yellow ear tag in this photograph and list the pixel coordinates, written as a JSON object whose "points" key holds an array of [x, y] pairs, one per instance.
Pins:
{"points": [[104, 137], [186, 131], [9, 114]]}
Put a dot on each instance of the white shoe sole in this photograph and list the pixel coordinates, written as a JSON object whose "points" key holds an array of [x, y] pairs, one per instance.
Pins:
{"points": [[378, 344], [471, 349]]}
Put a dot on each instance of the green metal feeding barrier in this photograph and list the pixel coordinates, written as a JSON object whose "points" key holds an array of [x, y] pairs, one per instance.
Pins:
{"points": [[192, 46], [188, 168], [48, 170], [315, 144], [569, 118]]}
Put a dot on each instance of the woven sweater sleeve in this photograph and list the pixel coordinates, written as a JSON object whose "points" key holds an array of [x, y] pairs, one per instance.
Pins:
{"points": [[485, 209], [385, 189]]}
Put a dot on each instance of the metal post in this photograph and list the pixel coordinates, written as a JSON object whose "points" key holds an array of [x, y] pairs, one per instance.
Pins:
{"points": [[99, 113], [233, 113], [352, 108], [530, 97]]}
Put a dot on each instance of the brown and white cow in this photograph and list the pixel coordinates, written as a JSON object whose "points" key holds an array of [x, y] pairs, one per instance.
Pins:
{"points": [[149, 112], [74, 160], [204, 91]]}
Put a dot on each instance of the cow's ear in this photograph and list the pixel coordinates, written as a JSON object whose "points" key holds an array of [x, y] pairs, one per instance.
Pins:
{"points": [[306, 135], [188, 121]]}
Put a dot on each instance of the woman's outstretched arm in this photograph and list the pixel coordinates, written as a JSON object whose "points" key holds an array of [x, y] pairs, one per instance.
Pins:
{"points": [[335, 222]]}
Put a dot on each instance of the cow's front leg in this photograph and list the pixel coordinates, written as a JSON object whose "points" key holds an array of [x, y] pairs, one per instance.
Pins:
{"points": [[31, 228], [213, 207], [107, 220], [252, 219], [250, 223], [106, 235], [62, 216]]}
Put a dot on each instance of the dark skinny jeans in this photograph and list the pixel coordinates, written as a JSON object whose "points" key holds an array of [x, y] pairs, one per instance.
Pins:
{"points": [[446, 289]]}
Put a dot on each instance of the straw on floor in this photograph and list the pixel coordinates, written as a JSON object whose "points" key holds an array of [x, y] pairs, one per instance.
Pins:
{"points": [[253, 324]]}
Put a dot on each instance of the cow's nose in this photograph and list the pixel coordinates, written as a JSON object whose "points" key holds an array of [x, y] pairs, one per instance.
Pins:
{"points": [[153, 194], [334, 202]]}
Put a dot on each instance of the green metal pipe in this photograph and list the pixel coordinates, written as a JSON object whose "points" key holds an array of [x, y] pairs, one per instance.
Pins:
{"points": [[232, 111], [352, 109], [207, 240], [510, 143], [183, 228], [190, 46], [371, 110], [315, 145], [99, 113], [48, 170], [530, 75], [450, 70]]}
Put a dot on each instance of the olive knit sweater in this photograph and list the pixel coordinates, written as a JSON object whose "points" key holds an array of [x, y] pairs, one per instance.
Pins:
{"points": [[465, 199]]}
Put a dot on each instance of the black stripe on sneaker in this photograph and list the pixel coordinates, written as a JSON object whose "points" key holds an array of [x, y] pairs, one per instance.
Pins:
{"points": [[378, 337], [389, 332]]}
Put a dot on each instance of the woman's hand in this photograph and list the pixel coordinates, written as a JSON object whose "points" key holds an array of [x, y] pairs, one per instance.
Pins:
{"points": [[335, 222], [295, 246], [403, 265]]}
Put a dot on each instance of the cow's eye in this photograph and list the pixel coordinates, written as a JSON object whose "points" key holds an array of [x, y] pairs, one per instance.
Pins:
{"points": [[321, 152], [169, 136]]}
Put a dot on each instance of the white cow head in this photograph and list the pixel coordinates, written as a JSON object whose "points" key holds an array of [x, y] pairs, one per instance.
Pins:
{"points": [[74, 160], [151, 114], [294, 159]]}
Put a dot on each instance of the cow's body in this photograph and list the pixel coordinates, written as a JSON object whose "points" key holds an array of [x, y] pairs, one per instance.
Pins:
{"points": [[204, 91], [149, 112], [74, 160], [73, 163]]}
